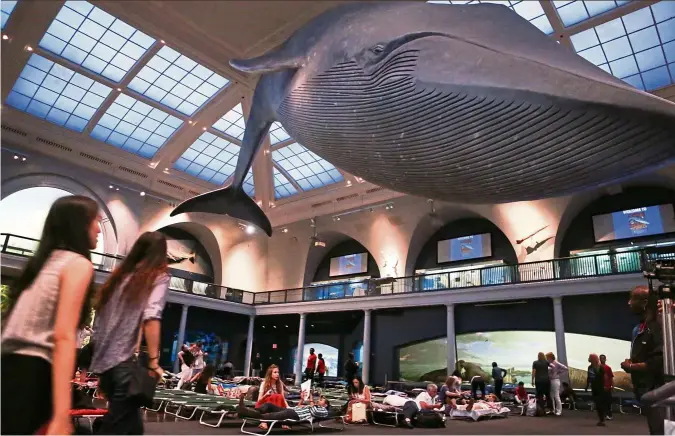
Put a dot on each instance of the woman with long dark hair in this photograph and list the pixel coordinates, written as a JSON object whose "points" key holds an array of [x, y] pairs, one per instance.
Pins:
{"points": [[129, 304], [272, 391], [48, 302], [202, 380]]}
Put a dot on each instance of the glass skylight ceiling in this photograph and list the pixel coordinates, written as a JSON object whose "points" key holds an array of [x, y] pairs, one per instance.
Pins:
{"points": [[309, 170], [7, 8], [638, 48], [177, 81], [55, 93], [232, 123], [88, 36], [136, 127], [282, 187], [249, 186], [209, 158], [573, 12], [278, 133], [528, 9]]}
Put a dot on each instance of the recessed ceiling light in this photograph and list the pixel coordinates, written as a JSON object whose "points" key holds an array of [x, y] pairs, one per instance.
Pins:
{"points": [[286, 326], [111, 186], [142, 193], [250, 230], [284, 230], [16, 157], [189, 121], [119, 89], [162, 41], [117, 189], [23, 159], [28, 48], [274, 326], [5, 37], [204, 129]]}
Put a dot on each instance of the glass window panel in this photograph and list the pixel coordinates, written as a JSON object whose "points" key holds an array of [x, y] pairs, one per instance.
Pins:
{"points": [[179, 82], [232, 122], [577, 11], [278, 133], [296, 159], [129, 130], [7, 9], [650, 59], [81, 28], [210, 151], [37, 91], [624, 67], [656, 78], [282, 186]]}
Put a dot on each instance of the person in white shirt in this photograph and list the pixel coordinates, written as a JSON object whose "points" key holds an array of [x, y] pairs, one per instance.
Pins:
{"points": [[424, 401], [199, 354]]}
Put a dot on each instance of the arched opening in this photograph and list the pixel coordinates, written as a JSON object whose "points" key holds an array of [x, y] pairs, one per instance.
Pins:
{"points": [[23, 214], [464, 252], [636, 217], [329, 354], [342, 268]]}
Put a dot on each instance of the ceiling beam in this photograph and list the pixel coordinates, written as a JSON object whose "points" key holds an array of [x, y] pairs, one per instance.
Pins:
{"points": [[556, 22]]}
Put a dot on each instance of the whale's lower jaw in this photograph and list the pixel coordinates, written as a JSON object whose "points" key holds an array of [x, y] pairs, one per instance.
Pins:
{"points": [[459, 144]]}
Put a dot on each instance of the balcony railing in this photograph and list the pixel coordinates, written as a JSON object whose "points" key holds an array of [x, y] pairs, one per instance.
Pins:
{"points": [[569, 268], [23, 246]]}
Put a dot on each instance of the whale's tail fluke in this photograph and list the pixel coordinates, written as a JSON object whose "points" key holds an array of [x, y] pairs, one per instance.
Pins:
{"points": [[227, 201]]}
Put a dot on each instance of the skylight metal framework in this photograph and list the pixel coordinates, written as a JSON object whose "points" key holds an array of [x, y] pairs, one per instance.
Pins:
{"points": [[95, 74]]}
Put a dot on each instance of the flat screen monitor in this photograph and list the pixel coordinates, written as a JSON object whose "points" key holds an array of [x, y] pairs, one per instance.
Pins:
{"points": [[349, 264], [634, 223], [465, 248]]}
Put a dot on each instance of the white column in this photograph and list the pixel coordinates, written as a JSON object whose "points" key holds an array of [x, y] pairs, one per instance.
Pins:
{"points": [[249, 346], [365, 358], [450, 332], [299, 356], [559, 324], [181, 336]]}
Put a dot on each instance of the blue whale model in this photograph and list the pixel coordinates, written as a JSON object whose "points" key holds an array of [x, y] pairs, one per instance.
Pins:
{"points": [[460, 103]]}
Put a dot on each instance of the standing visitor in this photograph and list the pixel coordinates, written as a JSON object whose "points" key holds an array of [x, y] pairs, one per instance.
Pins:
{"points": [[498, 378], [598, 389], [48, 302], [555, 371], [311, 365], [199, 364], [350, 369], [257, 365], [129, 305], [646, 355], [609, 384], [321, 369], [541, 381], [186, 360]]}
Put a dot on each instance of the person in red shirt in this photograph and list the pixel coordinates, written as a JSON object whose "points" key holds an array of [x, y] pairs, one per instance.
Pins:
{"points": [[609, 384], [521, 394], [321, 369], [311, 365]]}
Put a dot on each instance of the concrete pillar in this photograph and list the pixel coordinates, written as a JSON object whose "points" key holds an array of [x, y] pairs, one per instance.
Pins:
{"points": [[181, 337], [249, 346], [299, 356], [561, 349], [365, 359], [450, 332]]}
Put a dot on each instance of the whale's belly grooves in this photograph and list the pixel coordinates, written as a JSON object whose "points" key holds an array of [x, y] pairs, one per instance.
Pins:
{"points": [[459, 144]]}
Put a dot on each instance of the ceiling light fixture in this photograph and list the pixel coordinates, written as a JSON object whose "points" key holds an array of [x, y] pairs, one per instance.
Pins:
{"points": [[162, 41], [5, 37], [16, 157], [119, 89], [142, 193], [349, 183], [189, 121], [387, 206], [250, 230], [28, 48], [204, 129], [111, 187], [284, 230]]}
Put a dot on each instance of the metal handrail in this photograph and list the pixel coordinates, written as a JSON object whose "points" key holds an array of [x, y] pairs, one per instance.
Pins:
{"points": [[566, 268], [108, 263]]}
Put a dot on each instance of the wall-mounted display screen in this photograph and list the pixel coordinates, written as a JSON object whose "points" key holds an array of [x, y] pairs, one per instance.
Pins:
{"points": [[634, 223], [465, 248], [514, 351], [349, 264]]}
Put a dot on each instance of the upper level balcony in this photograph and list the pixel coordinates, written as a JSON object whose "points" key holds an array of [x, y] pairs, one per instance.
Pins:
{"points": [[556, 277]]}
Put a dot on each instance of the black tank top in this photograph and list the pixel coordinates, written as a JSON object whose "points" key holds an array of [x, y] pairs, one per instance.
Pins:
{"points": [[188, 358]]}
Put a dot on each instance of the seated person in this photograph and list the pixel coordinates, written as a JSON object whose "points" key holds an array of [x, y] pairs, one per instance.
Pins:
{"points": [[477, 383], [451, 394], [272, 392], [521, 394], [202, 380], [568, 393], [301, 412], [358, 393], [424, 401], [491, 402]]}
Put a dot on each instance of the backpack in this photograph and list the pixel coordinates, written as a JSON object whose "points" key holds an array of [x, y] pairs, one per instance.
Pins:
{"points": [[429, 420]]}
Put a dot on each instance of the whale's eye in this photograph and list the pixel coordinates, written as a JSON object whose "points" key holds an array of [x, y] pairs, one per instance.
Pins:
{"points": [[379, 48]]}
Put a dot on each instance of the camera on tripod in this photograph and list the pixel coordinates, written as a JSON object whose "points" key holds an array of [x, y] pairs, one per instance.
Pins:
{"points": [[662, 270]]}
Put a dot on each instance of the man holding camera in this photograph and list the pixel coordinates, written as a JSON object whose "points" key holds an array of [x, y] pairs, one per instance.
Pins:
{"points": [[646, 355]]}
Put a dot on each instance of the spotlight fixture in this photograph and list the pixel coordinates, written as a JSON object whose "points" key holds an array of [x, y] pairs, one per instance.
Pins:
{"points": [[318, 243], [312, 325], [274, 326], [250, 230], [142, 193], [263, 326], [162, 41], [111, 187], [189, 121], [119, 89], [349, 183], [5, 37], [284, 230], [16, 157], [286, 326], [28, 48], [204, 129]]}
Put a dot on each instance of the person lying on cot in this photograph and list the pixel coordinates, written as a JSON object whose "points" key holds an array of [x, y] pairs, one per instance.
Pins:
{"points": [[271, 412], [489, 403]]}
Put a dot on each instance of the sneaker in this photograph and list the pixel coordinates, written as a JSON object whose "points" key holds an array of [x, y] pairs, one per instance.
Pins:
{"points": [[609, 418]]}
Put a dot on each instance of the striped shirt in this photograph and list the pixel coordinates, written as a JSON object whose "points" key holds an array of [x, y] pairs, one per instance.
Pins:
{"points": [[30, 328], [116, 327], [305, 413]]}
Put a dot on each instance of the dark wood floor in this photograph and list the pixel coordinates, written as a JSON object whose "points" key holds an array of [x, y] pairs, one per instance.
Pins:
{"points": [[572, 422]]}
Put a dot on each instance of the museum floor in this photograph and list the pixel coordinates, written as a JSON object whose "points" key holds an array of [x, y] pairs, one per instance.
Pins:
{"points": [[573, 422]]}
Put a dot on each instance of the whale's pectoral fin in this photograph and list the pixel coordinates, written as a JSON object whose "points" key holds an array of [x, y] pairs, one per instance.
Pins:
{"points": [[227, 201], [268, 63]]}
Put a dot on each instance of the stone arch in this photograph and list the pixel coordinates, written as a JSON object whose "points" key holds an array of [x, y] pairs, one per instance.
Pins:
{"points": [[431, 223], [315, 255], [19, 183], [205, 236]]}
